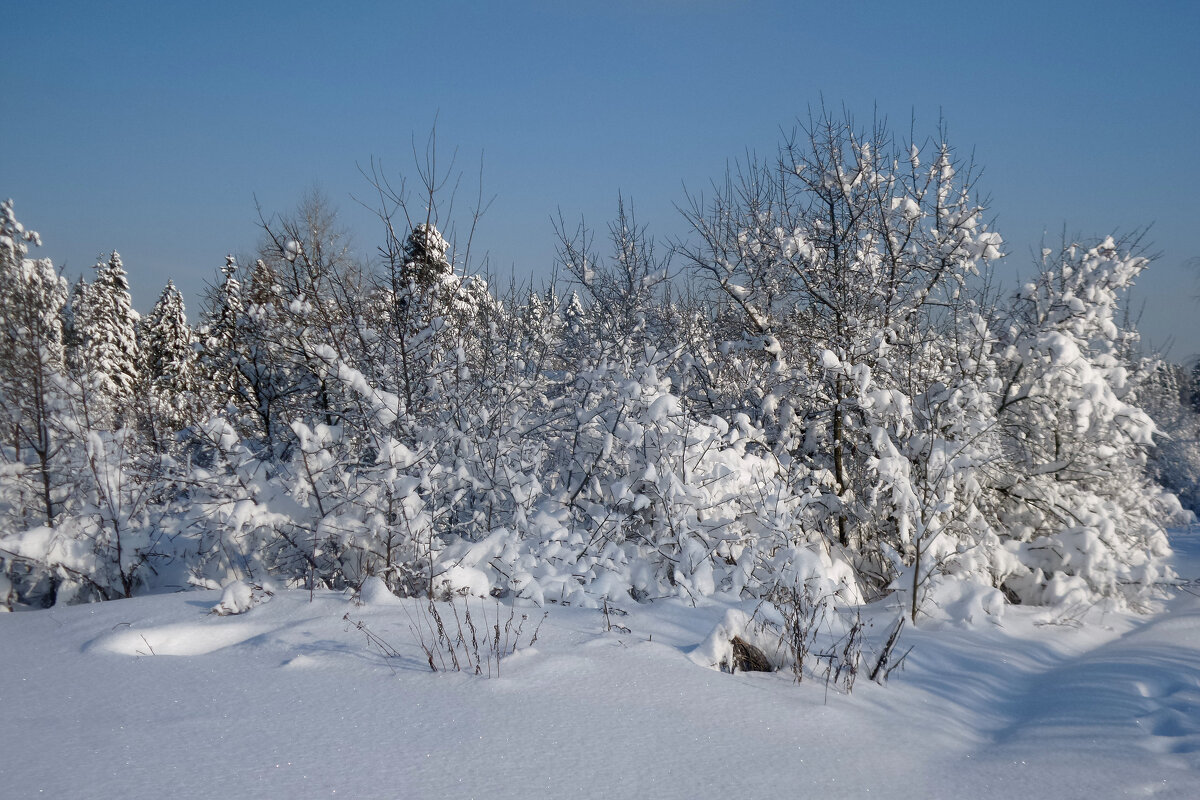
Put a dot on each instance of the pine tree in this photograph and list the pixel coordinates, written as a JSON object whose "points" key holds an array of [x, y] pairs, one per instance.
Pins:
{"points": [[168, 363], [425, 261], [72, 336], [216, 369], [107, 327]]}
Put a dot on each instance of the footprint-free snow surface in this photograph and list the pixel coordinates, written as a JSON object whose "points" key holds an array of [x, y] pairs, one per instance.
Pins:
{"points": [[157, 697]]}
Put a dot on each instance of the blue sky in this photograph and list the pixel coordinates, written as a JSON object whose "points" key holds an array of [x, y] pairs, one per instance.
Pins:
{"points": [[150, 128]]}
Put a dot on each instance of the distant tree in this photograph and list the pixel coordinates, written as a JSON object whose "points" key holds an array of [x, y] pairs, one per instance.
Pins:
{"points": [[621, 290], [217, 367], [168, 356], [1168, 395], [72, 340], [1193, 387], [308, 287], [106, 325], [247, 353], [425, 261], [272, 378]]}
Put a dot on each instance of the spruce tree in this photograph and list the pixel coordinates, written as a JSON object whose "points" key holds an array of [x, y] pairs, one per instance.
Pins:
{"points": [[168, 362], [425, 257], [107, 326], [216, 370]]}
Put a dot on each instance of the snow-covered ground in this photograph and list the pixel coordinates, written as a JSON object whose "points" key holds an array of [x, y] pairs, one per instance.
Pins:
{"points": [[157, 697]]}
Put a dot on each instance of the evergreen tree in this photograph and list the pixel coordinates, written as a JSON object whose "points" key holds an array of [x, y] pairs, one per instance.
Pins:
{"points": [[72, 336], [107, 327], [425, 257], [217, 371], [168, 363]]}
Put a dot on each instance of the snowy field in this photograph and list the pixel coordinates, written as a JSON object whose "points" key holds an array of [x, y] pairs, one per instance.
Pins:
{"points": [[156, 697]]}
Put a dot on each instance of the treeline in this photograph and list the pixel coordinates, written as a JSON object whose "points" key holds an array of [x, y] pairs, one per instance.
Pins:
{"points": [[824, 391]]}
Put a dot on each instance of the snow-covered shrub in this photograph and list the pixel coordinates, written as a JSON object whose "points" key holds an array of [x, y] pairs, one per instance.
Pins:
{"points": [[717, 649], [794, 629]]}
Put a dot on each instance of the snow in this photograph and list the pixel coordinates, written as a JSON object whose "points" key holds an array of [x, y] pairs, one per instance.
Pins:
{"points": [[237, 597], [374, 592], [157, 696], [716, 651]]}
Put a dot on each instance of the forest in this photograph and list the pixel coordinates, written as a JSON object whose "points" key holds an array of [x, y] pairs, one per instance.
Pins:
{"points": [[823, 385]]}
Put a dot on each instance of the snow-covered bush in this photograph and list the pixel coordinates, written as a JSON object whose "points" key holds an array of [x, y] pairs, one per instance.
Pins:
{"points": [[795, 629]]}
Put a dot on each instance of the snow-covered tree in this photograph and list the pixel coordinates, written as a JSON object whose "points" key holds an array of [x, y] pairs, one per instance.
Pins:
{"points": [[31, 361], [1076, 506], [88, 539], [834, 403], [166, 343], [217, 366], [106, 326], [1169, 396], [834, 268], [620, 316], [425, 257]]}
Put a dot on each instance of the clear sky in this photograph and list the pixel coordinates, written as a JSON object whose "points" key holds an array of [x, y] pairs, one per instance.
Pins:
{"points": [[149, 128]]}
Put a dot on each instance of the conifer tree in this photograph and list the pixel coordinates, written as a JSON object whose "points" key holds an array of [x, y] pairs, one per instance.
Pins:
{"points": [[217, 371], [107, 326], [168, 362], [425, 261], [71, 335]]}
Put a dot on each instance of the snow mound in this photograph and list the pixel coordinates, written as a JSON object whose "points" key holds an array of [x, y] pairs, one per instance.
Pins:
{"points": [[716, 651], [179, 639], [238, 597], [374, 592], [956, 601], [463, 580]]}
